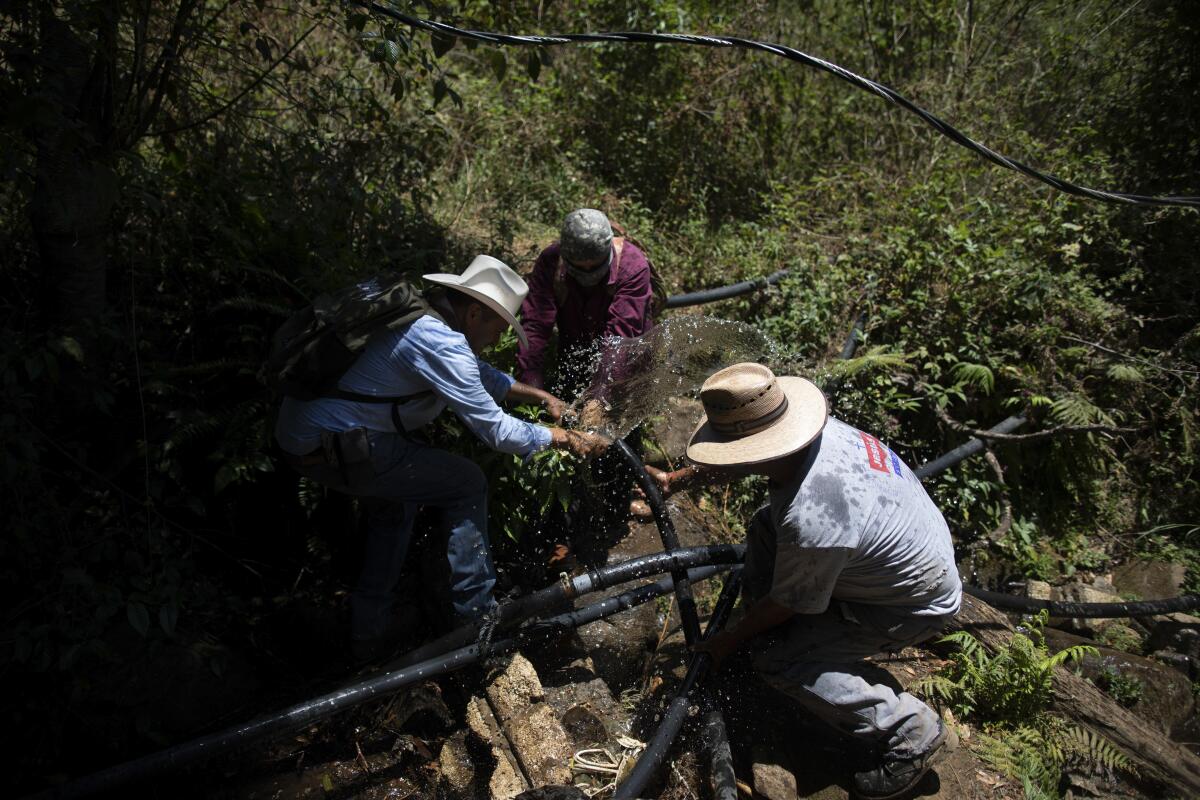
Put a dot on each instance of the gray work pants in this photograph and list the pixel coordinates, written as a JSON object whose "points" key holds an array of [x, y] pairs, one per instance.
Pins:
{"points": [[817, 659]]}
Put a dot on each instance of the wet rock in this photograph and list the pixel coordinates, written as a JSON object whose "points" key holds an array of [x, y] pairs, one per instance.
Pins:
{"points": [[455, 764], [1166, 695], [514, 688], [1179, 633], [472, 767], [531, 725], [542, 745], [585, 727], [1149, 580], [619, 654], [774, 782], [1038, 590], [553, 793]]}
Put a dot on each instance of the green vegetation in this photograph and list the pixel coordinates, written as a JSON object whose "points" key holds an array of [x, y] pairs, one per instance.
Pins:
{"points": [[1009, 693], [176, 176], [1125, 689]]}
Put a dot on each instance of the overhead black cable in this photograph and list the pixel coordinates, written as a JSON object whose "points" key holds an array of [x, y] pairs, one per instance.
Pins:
{"points": [[792, 54]]}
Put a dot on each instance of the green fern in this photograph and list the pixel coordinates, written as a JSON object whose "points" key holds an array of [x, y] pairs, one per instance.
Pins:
{"points": [[878, 357], [1075, 409], [1092, 748], [1009, 692], [1126, 373], [975, 375]]}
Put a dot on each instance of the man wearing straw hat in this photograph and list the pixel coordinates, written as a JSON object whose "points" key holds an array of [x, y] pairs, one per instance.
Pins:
{"points": [[849, 559], [371, 450]]}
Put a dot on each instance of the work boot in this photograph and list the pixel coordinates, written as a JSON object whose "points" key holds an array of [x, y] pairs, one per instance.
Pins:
{"points": [[400, 632], [894, 776]]}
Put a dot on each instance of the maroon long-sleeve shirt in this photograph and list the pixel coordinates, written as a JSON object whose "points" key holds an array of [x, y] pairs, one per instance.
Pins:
{"points": [[619, 306]]}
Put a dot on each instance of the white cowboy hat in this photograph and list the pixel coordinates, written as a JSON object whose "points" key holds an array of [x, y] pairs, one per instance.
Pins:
{"points": [[751, 416], [493, 283]]}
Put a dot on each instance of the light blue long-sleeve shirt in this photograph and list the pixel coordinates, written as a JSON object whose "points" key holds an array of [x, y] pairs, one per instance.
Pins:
{"points": [[426, 355]]}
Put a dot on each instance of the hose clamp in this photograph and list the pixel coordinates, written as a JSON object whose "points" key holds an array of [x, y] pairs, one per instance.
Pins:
{"points": [[568, 586]]}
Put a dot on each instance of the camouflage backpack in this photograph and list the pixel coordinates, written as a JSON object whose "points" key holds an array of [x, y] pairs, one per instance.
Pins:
{"points": [[314, 348]]}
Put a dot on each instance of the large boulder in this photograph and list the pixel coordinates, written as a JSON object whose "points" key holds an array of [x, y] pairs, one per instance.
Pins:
{"points": [[537, 736], [1149, 580], [474, 762], [1165, 698]]}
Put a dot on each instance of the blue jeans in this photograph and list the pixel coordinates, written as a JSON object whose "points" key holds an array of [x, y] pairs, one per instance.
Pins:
{"points": [[400, 476]]}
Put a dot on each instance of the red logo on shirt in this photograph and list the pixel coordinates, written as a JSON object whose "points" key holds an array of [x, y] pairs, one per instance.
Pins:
{"points": [[876, 454]]}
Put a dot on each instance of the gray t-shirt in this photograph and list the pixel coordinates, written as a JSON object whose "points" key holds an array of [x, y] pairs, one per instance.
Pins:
{"points": [[856, 525]]}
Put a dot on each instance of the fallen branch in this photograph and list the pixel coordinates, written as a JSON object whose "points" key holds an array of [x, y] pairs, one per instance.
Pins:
{"points": [[1026, 437], [1160, 761]]}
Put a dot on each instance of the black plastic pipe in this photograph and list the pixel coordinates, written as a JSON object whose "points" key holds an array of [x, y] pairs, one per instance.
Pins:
{"points": [[1062, 608], [720, 757], [725, 292], [677, 711], [299, 716], [854, 337], [965, 450], [666, 530], [675, 560]]}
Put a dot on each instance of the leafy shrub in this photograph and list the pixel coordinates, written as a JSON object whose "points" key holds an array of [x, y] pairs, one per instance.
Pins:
{"points": [[1009, 692]]}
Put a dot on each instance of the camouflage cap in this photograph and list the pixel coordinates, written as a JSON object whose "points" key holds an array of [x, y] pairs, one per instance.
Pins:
{"points": [[586, 236]]}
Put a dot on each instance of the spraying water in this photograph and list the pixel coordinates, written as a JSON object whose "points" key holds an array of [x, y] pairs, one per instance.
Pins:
{"points": [[631, 379]]}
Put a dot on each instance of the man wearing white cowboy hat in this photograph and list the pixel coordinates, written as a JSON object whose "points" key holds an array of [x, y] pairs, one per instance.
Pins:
{"points": [[432, 363], [850, 558]]}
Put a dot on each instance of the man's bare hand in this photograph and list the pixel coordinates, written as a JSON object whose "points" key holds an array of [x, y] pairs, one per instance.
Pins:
{"points": [[554, 407], [720, 647], [592, 416], [661, 479], [583, 444]]}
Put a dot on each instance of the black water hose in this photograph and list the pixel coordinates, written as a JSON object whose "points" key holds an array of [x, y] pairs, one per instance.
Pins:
{"points": [[854, 337], [725, 292], [720, 756], [675, 560], [299, 716], [666, 531], [677, 711], [965, 450]]}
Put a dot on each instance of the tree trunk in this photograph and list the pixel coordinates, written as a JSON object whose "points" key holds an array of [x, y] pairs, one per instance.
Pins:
{"points": [[1159, 760], [75, 187]]}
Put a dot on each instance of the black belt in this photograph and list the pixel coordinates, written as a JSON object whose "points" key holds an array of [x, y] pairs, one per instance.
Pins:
{"points": [[307, 460]]}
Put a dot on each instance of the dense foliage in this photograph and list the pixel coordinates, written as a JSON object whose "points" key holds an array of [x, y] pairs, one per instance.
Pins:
{"points": [[1009, 692], [176, 176]]}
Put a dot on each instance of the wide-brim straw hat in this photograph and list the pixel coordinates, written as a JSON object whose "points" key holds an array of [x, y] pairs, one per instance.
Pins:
{"points": [[493, 283], [751, 417]]}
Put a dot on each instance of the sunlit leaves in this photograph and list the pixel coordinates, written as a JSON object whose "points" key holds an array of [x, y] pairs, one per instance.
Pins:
{"points": [[978, 375]]}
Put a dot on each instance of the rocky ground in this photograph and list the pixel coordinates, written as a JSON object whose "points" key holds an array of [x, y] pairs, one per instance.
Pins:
{"points": [[576, 712]]}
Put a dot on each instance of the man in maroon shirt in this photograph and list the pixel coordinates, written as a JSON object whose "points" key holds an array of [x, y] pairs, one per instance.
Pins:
{"points": [[591, 286]]}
